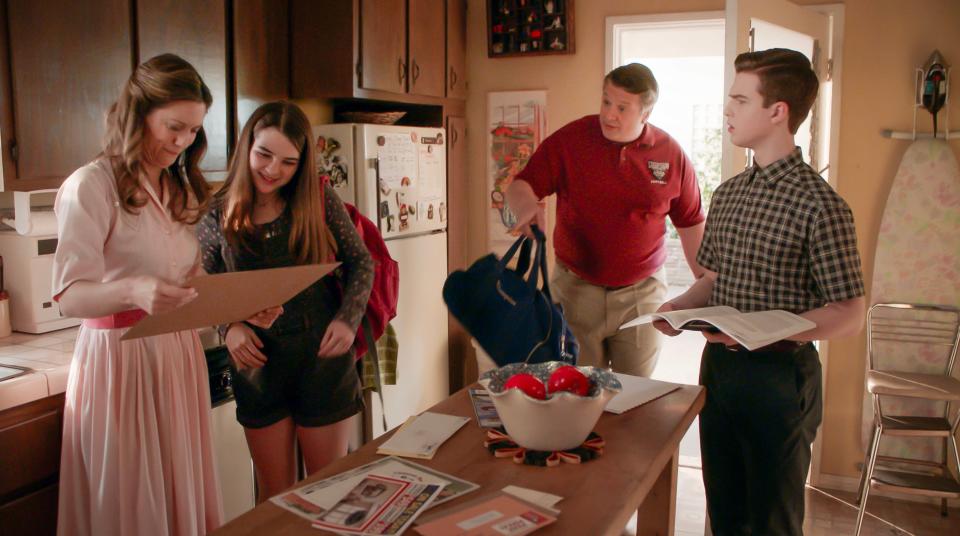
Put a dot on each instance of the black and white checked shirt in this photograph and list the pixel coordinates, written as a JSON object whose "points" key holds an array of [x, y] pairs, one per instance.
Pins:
{"points": [[780, 237]]}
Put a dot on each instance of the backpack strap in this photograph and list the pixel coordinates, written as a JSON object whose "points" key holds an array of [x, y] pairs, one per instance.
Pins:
{"points": [[375, 357]]}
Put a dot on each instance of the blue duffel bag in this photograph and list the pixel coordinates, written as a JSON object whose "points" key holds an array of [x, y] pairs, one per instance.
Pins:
{"points": [[504, 310]]}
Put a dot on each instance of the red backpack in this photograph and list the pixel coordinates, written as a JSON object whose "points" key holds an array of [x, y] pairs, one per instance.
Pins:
{"points": [[382, 305]]}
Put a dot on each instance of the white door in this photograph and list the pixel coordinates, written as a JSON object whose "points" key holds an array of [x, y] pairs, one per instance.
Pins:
{"points": [[762, 24]]}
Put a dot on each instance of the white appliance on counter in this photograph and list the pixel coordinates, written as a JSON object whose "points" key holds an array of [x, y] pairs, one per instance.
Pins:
{"points": [[27, 253], [397, 177]]}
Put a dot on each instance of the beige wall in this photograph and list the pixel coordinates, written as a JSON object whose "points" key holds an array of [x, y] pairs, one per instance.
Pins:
{"points": [[884, 41]]}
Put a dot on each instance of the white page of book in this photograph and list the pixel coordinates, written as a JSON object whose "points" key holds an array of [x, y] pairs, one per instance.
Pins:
{"points": [[679, 318], [762, 326]]}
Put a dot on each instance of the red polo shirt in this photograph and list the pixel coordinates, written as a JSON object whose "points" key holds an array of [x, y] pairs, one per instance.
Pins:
{"points": [[613, 198]]}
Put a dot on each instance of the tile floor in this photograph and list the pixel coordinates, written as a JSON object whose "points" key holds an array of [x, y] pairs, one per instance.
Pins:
{"points": [[829, 513]]}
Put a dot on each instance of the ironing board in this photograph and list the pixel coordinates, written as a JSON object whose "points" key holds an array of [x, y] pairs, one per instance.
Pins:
{"points": [[917, 261]]}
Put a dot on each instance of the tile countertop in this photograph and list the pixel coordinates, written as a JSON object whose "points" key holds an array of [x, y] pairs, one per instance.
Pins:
{"points": [[48, 355]]}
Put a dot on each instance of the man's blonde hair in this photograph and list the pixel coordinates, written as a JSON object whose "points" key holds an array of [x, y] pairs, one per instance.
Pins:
{"points": [[637, 79]]}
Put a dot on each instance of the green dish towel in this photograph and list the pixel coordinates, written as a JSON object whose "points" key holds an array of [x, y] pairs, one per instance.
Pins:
{"points": [[387, 351]]}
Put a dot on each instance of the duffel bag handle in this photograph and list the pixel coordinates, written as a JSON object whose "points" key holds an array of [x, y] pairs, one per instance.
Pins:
{"points": [[524, 244], [508, 256]]}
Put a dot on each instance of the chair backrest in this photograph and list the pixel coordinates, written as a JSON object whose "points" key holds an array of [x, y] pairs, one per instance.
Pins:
{"points": [[932, 332]]}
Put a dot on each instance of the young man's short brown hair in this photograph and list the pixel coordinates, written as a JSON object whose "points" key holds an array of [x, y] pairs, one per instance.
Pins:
{"points": [[785, 76], [637, 79]]}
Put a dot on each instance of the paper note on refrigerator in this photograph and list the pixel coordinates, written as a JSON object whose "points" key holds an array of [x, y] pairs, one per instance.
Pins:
{"points": [[432, 167], [397, 160]]}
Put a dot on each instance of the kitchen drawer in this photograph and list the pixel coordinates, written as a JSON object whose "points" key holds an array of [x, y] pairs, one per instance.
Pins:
{"points": [[33, 515], [30, 442]]}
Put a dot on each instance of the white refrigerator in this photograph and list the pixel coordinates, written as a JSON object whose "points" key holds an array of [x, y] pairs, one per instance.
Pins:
{"points": [[397, 177]]}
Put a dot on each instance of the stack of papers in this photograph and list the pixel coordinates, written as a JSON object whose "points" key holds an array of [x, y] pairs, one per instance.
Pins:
{"points": [[637, 391], [486, 412], [422, 435], [381, 497]]}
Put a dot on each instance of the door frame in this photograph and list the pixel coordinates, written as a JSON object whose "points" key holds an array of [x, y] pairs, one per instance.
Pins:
{"points": [[836, 12], [665, 19]]}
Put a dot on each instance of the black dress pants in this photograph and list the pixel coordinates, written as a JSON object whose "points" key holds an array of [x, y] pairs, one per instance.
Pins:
{"points": [[761, 415]]}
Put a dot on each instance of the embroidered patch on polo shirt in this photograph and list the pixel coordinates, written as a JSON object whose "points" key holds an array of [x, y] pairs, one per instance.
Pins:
{"points": [[659, 170]]}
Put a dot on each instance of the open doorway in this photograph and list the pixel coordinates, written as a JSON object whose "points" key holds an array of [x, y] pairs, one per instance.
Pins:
{"points": [[686, 56], [691, 55]]}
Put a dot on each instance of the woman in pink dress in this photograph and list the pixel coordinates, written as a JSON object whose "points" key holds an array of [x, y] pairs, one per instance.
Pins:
{"points": [[137, 455]]}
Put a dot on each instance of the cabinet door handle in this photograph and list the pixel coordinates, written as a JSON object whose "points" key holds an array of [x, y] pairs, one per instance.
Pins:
{"points": [[416, 71], [402, 70], [453, 137], [453, 78]]}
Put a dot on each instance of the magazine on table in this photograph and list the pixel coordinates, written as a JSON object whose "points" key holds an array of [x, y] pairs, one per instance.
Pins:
{"points": [[378, 504], [313, 500], [752, 330], [487, 416]]}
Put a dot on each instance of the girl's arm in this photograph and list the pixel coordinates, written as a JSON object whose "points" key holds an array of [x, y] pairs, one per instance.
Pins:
{"points": [[356, 259]]}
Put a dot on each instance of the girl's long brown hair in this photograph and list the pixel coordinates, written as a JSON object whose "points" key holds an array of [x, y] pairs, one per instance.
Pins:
{"points": [[155, 83], [303, 194]]}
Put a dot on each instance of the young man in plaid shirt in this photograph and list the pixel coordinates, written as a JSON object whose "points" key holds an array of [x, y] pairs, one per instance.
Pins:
{"points": [[777, 237]]}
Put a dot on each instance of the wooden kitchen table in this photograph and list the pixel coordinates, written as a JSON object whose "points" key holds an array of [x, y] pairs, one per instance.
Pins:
{"points": [[637, 472]]}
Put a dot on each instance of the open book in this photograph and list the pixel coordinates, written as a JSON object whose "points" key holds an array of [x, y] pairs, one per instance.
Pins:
{"points": [[751, 330]]}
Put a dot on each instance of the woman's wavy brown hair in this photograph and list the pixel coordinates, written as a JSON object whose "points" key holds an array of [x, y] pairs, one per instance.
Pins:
{"points": [[155, 83], [309, 237]]}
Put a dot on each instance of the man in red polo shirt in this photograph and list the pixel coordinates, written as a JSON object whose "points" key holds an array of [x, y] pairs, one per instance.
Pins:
{"points": [[617, 178]]}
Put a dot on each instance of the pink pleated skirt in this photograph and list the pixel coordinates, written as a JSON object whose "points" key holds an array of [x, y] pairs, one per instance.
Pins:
{"points": [[137, 452]]}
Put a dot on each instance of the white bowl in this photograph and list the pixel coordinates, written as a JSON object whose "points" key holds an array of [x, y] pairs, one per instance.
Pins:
{"points": [[562, 421]]}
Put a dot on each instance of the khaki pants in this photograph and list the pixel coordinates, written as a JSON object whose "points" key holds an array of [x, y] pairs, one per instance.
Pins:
{"points": [[595, 314]]}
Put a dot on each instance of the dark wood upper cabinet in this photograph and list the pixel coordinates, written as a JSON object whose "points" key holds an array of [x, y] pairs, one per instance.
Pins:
{"points": [[426, 57], [67, 62], [261, 54], [388, 50], [383, 42], [197, 32], [457, 49]]}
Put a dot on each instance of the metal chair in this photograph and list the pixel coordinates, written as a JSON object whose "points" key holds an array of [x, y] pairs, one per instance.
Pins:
{"points": [[916, 332]]}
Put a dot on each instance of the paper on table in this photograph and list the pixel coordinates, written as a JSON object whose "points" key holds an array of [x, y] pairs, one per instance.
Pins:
{"points": [[313, 500], [487, 416], [379, 505], [421, 436], [540, 498], [231, 297], [637, 391], [497, 513]]}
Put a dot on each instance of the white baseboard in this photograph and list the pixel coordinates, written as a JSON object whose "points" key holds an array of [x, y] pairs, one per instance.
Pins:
{"points": [[849, 483]]}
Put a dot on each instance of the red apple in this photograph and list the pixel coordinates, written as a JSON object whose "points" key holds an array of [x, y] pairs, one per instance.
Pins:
{"points": [[528, 383], [569, 378]]}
